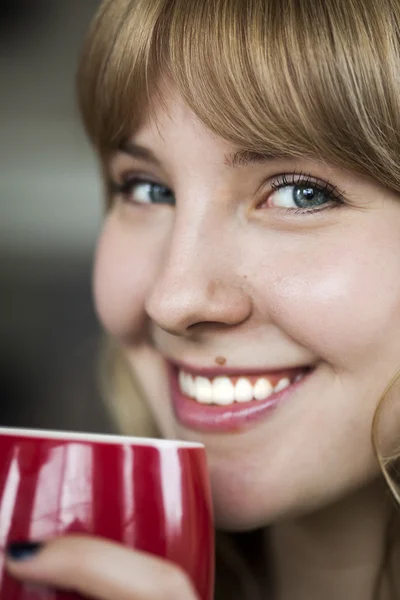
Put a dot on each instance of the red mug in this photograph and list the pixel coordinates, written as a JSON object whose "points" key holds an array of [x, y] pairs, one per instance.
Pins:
{"points": [[149, 494]]}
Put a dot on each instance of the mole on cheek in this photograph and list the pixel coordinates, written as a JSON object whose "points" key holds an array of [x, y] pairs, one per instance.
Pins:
{"points": [[220, 360]]}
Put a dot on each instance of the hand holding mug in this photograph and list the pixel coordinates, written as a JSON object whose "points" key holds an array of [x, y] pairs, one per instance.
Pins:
{"points": [[106, 516], [100, 570]]}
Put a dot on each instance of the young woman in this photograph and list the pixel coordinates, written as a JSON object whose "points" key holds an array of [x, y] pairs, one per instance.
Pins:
{"points": [[248, 274]]}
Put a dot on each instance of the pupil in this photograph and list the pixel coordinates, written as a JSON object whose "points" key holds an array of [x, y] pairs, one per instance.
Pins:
{"points": [[307, 196], [161, 195], [308, 193]]}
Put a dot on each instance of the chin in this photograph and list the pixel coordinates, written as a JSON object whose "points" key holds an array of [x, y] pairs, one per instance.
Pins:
{"points": [[240, 518], [234, 523], [238, 510]]}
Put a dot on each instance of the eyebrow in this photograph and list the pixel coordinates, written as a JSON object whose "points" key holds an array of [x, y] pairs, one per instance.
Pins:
{"points": [[241, 158], [140, 152]]}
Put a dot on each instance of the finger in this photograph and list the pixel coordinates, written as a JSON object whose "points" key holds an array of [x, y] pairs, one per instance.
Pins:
{"points": [[99, 569]]}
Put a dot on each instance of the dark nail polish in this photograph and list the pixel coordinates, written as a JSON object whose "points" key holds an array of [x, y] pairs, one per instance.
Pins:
{"points": [[20, 551]]}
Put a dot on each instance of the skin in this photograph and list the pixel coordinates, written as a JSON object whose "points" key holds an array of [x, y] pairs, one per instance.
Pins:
{"points": [[228, 277]]}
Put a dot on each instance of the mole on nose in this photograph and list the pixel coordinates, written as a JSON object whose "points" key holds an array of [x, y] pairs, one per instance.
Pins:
{"points": [[220, 360]]}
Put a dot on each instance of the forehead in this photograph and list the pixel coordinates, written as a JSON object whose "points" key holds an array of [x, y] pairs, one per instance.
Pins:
{"points": [[171, 129], [168, 116]]}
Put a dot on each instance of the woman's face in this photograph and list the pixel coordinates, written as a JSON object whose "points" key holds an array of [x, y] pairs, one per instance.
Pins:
{"points": [[259, 305]]}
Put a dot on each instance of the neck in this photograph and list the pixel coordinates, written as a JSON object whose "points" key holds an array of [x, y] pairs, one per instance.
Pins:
{"points": [[337, 552]]}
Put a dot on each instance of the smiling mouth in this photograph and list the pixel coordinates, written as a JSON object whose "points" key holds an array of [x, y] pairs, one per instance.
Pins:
{"points": [[210, 400], [225, 390]]}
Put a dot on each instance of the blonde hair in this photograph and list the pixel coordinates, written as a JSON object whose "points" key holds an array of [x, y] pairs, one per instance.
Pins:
{"points": [[317, 78]]}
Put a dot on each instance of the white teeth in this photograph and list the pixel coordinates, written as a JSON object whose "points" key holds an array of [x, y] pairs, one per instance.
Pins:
{"points": [[282, 385], [223, 391], [243, 390], [186, 384], [263, 389], [191, 387], [203, 390], [182, 381]]}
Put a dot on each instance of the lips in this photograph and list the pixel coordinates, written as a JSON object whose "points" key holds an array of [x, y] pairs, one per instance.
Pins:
{"points": [[224, 402]]}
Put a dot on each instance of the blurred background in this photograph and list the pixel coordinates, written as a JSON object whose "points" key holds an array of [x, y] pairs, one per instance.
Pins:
{"points": [[50, 213]]}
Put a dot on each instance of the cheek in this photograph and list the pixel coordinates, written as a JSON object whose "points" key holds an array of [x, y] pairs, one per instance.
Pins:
{"points": [[123, 275], [340, 302]]}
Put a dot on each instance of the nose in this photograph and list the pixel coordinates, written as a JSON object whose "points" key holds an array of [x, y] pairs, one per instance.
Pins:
{"points": [[198, 283]]}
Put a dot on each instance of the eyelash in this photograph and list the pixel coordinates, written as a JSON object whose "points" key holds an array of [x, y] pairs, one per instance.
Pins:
{"points": [[305, 180], [281, 181]]}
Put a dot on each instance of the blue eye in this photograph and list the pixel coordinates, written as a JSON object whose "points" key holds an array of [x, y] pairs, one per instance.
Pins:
{"points": [[298, 196], [303, 193], [139, 191]]}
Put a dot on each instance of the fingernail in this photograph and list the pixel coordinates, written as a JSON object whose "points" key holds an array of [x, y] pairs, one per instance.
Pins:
{"points": [[20, 551]]}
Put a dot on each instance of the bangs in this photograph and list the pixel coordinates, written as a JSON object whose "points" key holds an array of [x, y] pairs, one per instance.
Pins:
{"points": [[316, 78]]}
